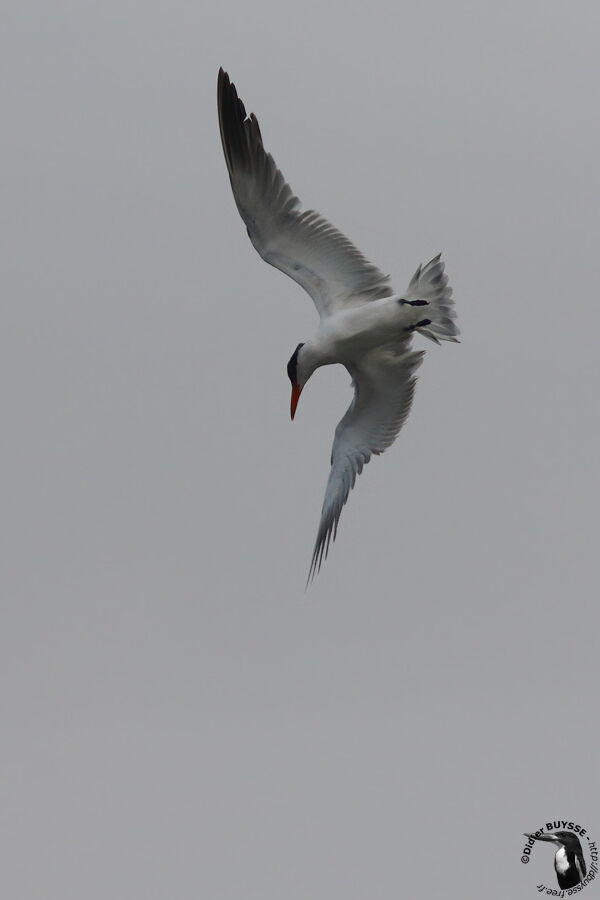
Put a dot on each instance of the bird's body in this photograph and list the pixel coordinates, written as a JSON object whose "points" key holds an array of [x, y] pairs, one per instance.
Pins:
{"points": [[570, 866], [351, 333], [363, 324]]}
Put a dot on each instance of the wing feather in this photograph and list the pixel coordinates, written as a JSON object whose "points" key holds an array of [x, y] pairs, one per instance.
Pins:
{"points": [[303, 245], [384, 386]]}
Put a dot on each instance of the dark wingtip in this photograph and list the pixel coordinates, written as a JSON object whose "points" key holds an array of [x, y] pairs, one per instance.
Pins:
{"points": [[223, 85], [315, 566], [325, 536], [232, 119], [227, 97]]}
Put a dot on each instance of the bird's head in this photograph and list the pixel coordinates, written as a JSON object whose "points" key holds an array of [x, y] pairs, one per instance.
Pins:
{"points": [[566, 839], [298, 373]]}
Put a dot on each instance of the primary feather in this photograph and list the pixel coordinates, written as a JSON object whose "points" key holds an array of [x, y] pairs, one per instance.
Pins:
{"points": [[304, 245]]}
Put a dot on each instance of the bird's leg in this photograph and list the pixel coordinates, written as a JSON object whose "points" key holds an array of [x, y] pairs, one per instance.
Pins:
{"points": [[420, 324]]}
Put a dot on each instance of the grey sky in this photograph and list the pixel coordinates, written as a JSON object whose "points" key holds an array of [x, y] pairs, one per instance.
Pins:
{"points": [[179, 719]]}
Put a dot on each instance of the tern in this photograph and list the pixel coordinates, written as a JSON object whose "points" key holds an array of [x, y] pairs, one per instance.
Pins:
{"points": [[363, 325]]}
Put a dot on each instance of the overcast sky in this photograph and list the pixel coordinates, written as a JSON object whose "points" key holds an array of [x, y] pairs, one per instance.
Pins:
{"points": [[179, 718]]}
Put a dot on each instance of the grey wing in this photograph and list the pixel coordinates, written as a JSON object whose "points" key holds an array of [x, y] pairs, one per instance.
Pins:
{"points": [[384, 385], [304, 245]]}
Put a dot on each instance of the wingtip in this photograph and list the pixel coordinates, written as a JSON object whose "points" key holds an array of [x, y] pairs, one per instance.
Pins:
{"points": [[315, 565], [223, 81], [229, 101], [321, 551], [312, 571]]}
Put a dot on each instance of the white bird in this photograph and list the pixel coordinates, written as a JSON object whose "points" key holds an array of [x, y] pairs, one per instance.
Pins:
{"points": [[363, 324]]}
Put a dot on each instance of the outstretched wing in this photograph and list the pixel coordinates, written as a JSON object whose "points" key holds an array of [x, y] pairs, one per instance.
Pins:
{"points": [[384, 385], [304, 245]]}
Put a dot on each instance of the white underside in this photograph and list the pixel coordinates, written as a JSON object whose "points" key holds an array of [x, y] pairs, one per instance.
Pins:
{"points": [[347, 335], [562, 863]]}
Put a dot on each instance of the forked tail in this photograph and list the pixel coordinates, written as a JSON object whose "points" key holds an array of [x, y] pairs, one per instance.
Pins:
{"points": [[430, 284]]}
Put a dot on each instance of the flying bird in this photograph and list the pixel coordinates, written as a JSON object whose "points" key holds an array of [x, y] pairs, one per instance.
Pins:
{"points": [[363, 325], [569, 862]]}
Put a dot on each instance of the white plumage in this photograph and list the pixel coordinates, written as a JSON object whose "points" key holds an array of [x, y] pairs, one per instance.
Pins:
{"points": [[363, 324]]}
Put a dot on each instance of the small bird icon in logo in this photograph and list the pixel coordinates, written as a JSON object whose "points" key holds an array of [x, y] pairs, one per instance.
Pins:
{"points": [[569, 862]]}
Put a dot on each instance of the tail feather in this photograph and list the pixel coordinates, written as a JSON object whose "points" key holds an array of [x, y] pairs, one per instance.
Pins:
{"points": [[430, 283]]}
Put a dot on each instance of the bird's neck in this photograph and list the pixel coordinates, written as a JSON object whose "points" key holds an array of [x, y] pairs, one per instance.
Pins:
{"points": [[311, 356]]}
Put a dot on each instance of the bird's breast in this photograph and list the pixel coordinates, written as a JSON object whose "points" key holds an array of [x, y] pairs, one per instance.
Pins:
{"points": [[561, 861]]}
